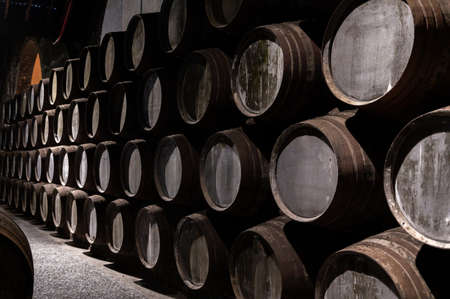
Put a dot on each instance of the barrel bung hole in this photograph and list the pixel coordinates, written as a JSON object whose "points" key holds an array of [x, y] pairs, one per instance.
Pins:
{"points": [[152, 100], [196, 89], [422, 186], [177, 22], [138, 43], [109, 57], [117, 232], [169, 168], [259, 76], [192, 255], [371, 49], [306, 176], [222, 174], [149, 240]]}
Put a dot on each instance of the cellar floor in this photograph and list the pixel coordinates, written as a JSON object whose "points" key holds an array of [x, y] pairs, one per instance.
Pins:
{"points": [[64, 271]]}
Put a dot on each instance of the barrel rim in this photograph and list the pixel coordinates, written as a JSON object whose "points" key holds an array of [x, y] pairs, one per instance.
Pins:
{"points": [[211, 13]]}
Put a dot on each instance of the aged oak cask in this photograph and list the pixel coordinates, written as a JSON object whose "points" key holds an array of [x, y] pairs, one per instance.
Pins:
{"points": [[123, 110], [17, 195], [234, 174], [84, 167], [111, 58], [23, 105], [97, 116], [71, 88], [66, 165], [32, 100], [26, 134], [36, 131], [18, 129], [175, 171], [30, 157], [136, 169], [46, 204], [142, 50], [77, 121], [47, 128], [203, 90], [60, 124], [35, 202], [74, 215], [58, 212], [382, 266], [106, 163], [17, 271], [89, 73], [52, 162], [39, 164], [373, 51], [276, 74], [26, 198], [43, 101], [56, 87], [94, 219], [416, 178]]}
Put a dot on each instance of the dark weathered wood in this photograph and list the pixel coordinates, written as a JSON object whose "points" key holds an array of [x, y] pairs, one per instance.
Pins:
{"points": [[111, 58], [26, 133], [123, 110], [203, 91], [71, 88], [56, 87], [176, 171], [276, 74], [382, 266], [373, 51], [84, 163], [17, 195], [36, 131], [74, 213], [106, 163], [233, 174], [136, 169], [77, 121], [34, 201], [23, 105], [59, 216], [17, 272], [46, 204], [26, 198], [60, 124], [89, 73], [47, 128], [142, 49], [97, 116], [29, 165], [18, 129], [416, 175], [21, 164]]}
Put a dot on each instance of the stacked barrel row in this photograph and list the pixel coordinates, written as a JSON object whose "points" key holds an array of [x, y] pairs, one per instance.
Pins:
{"points": [[156, 146]]}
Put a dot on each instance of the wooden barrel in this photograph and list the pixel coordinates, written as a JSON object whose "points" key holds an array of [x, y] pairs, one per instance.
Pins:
{"points": [[106, 163], [46, 204], [43, 101], [373, 51], [8, 168], [5, 136], [119, 224], [56, 87], [60, 124], [39, 164], [264, 264], [17, 271], [77, 121], [84, 173], [201, 256], [5, 190], [47, 137], [123, 110], [111, 58], [142, 50], [11, 193], [74, 211], [36, 130], [17, 195], [15, 108], [30, 157], [14, 165], [23, 105], [66, 166], [156, 107], [97, 116], [210, 103], [26, 198], [26, 134], [384, 265], [267, 81], [71, 88], [136, 169], [12, 132], [53, 161], [182, 26], [7, 117], [58, 212], [32, 103], [414, 178], [34, 201], [20, 162], [154, 231], [94, 219], [320, 173], [233, 173], [176, 172], [89, 74], [18, 135]]}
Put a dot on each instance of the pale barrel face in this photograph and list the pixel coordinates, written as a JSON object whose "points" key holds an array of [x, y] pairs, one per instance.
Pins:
{"points": [[134, 172], [170, 169], [152, 101], [109, 58], [177, 22], [33, 203], [422, 186], [87, 69], [257, 272], [41, 96], [138, 44], [371, 49], [34, 132], [44, 206], [75, 122], [92, 232], [65, 169], [73, 217], [57, 209], [104, 170], [222, 172], [83, 171], [38, 169], [150, 242], [307, 176], [123, 113], [95, 117], [117, 232], [46, 129], [69, 79], [260, 74], [193, 255], [54, 87], [60, 127], [51, 167]]}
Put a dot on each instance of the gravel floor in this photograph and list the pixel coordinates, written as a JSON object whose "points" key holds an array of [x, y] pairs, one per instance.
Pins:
{"points": [[65, 271]]}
